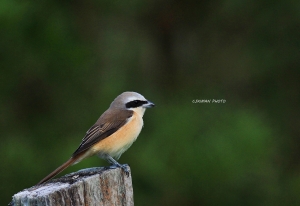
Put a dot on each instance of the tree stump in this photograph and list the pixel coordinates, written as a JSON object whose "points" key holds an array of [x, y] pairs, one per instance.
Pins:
{"points": [[93, 186]]}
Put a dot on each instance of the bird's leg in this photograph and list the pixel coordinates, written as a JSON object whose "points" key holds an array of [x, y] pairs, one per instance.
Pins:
{"points": [[113, 162]]}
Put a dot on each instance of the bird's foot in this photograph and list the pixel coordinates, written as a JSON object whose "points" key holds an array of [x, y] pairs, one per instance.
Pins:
{"points": [[123, 167]]}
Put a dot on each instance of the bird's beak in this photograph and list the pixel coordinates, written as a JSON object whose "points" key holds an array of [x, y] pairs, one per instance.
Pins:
{"points": [[149, 104]]}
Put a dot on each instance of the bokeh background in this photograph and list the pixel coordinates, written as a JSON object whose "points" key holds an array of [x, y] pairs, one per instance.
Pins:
{"points": [[63, 62]]}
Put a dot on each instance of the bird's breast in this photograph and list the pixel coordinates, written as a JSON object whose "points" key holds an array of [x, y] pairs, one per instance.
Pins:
{"points": [[118, 142]]}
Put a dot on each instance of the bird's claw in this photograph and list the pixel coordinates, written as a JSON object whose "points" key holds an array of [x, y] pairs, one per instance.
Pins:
{"points": [[123, 167]]}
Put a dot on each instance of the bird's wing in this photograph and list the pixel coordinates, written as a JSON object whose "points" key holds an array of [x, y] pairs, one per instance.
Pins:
{"points": [[107, 124]]}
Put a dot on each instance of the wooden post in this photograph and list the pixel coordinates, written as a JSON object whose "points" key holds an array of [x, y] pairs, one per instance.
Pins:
{"points": [[88, 187]]}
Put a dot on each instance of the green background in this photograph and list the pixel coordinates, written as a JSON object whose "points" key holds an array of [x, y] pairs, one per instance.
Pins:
{"points": [[63, 62]]}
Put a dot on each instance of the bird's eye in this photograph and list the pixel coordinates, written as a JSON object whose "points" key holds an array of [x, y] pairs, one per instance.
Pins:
{"points": [[135, 103]]}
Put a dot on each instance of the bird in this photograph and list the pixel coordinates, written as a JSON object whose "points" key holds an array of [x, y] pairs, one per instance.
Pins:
{"points": [[112, 134]]}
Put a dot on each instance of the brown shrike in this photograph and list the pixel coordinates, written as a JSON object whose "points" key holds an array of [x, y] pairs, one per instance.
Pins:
{"points": [[113, 133]]}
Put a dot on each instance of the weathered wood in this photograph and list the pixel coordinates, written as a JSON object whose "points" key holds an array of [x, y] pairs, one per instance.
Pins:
{"points": [[89, 187]]}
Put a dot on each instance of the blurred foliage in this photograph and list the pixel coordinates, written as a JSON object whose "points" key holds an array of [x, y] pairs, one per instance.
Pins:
{"points": [[63, 62]]}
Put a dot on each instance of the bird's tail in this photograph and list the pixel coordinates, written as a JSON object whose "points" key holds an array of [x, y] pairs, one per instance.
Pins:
{"points": [[59, 169]]}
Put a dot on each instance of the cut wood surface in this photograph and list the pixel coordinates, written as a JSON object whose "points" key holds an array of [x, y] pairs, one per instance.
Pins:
{"points": [[93, 186]]}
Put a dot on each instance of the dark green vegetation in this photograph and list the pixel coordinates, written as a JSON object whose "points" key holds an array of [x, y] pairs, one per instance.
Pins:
{"points": [[63, 62]]}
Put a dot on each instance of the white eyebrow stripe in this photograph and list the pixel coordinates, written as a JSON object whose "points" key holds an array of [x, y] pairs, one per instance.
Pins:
{"points": [[131, 98]]}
